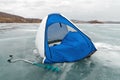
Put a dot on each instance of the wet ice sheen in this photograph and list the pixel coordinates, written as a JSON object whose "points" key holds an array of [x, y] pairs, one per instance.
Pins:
{"points": [[18, 39]]}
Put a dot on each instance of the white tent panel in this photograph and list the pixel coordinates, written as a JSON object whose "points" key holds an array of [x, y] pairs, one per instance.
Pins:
{"points": [[40, 38]]}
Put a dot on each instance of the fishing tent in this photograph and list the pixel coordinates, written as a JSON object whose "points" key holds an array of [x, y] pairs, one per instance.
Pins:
{"points": [[59, 40]]}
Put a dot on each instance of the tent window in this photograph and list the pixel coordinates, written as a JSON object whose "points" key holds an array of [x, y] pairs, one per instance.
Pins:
{"points": [[71, 29], [57, 31]]}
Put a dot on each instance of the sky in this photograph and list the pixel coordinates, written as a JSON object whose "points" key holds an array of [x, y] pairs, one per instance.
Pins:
{"points": [[73, 9]]}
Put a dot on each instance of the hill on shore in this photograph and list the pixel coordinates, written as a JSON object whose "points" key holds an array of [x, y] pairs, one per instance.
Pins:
{"points": [[10, 18]]}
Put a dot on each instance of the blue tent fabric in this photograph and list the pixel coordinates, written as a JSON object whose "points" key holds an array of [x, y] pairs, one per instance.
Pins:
{"points": [[74, 46]]}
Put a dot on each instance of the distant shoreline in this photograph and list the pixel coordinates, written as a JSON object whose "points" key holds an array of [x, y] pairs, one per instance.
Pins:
{"points": [[96, 22], [10, 18]]}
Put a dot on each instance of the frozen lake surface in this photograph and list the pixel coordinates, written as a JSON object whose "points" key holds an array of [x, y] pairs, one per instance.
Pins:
{"points": [[18, 40]]}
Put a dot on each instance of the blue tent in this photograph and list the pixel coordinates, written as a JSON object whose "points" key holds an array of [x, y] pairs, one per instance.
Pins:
{"points": [[72, 44]]}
